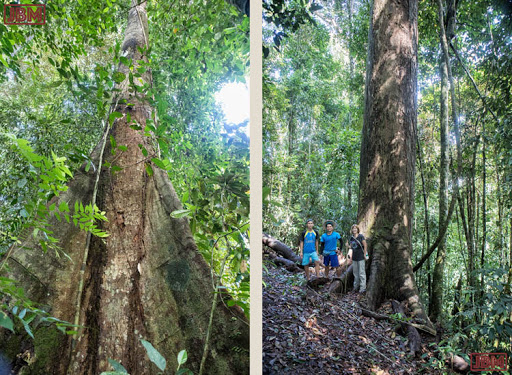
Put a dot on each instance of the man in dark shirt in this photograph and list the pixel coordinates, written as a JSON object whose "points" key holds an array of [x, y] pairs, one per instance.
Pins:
{"points": [[357, 254]]}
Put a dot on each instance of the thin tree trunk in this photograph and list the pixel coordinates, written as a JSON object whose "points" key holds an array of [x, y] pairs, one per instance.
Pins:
{"points": [[501, 242], [436, 301], [472, 219], [350, 6], [464, 221], [509, 283], [426, 210], [445, 35], [484, 212]]}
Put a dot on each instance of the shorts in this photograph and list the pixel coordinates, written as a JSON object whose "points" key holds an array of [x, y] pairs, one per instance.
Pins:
{"points": [[307, 256], [333, 259]]}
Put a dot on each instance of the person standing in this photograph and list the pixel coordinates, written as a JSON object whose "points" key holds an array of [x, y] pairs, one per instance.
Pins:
{"points": [[329, 247], [308, 248], [357, 253]]}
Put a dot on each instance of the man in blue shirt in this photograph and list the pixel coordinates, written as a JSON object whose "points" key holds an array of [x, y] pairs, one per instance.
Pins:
{"points": [[329, 245], [308, 248]]}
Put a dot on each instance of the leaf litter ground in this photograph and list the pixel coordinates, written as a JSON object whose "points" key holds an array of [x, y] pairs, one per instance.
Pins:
{"points": [[306, 331]]}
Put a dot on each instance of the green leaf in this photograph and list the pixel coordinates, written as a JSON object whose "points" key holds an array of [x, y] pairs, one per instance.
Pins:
{"points": [[63, 207], [149, 170], [182, 357], [6, 322], [154, 355], [22, 182], [22, 313], [27, 328], [180, 213], [113, 142], [159, 163], [2, 60], [112, 117], [144, 151], [117, 366], [119, 77], [125, 61]]}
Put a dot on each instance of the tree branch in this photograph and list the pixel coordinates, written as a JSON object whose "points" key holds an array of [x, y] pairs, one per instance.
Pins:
{"points": [[484, 100]]}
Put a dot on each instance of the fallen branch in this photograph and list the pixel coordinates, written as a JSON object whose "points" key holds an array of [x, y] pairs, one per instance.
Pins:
{"points": [[318, 281], [342, 284], [377, 316], [287, 264], [280, 248]]}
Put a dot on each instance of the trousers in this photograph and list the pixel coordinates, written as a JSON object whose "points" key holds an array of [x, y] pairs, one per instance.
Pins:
{"points": [[358, 268]]}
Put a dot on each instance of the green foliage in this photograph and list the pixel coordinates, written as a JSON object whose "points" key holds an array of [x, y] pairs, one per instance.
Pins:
{"points": [[157, 358], [487, 324], [182, 358], [311, 121], [117, 366], [479, 41], [20, 313], [154, 355], [286, 17], [50, 174]]}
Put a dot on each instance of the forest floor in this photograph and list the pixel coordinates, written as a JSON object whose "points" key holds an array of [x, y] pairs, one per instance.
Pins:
{"points": [[307, 331]]}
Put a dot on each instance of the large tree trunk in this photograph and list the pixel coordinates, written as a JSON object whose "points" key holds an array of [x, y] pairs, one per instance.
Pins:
{"points": [[388, 152], [146, 280]]}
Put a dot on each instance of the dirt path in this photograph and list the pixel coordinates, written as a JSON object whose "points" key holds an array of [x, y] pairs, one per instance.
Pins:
{"points": [[309, 332]]}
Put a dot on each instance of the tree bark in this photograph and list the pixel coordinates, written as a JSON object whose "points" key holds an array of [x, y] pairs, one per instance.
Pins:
{"points": [[146, 280], [388, 152]]}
